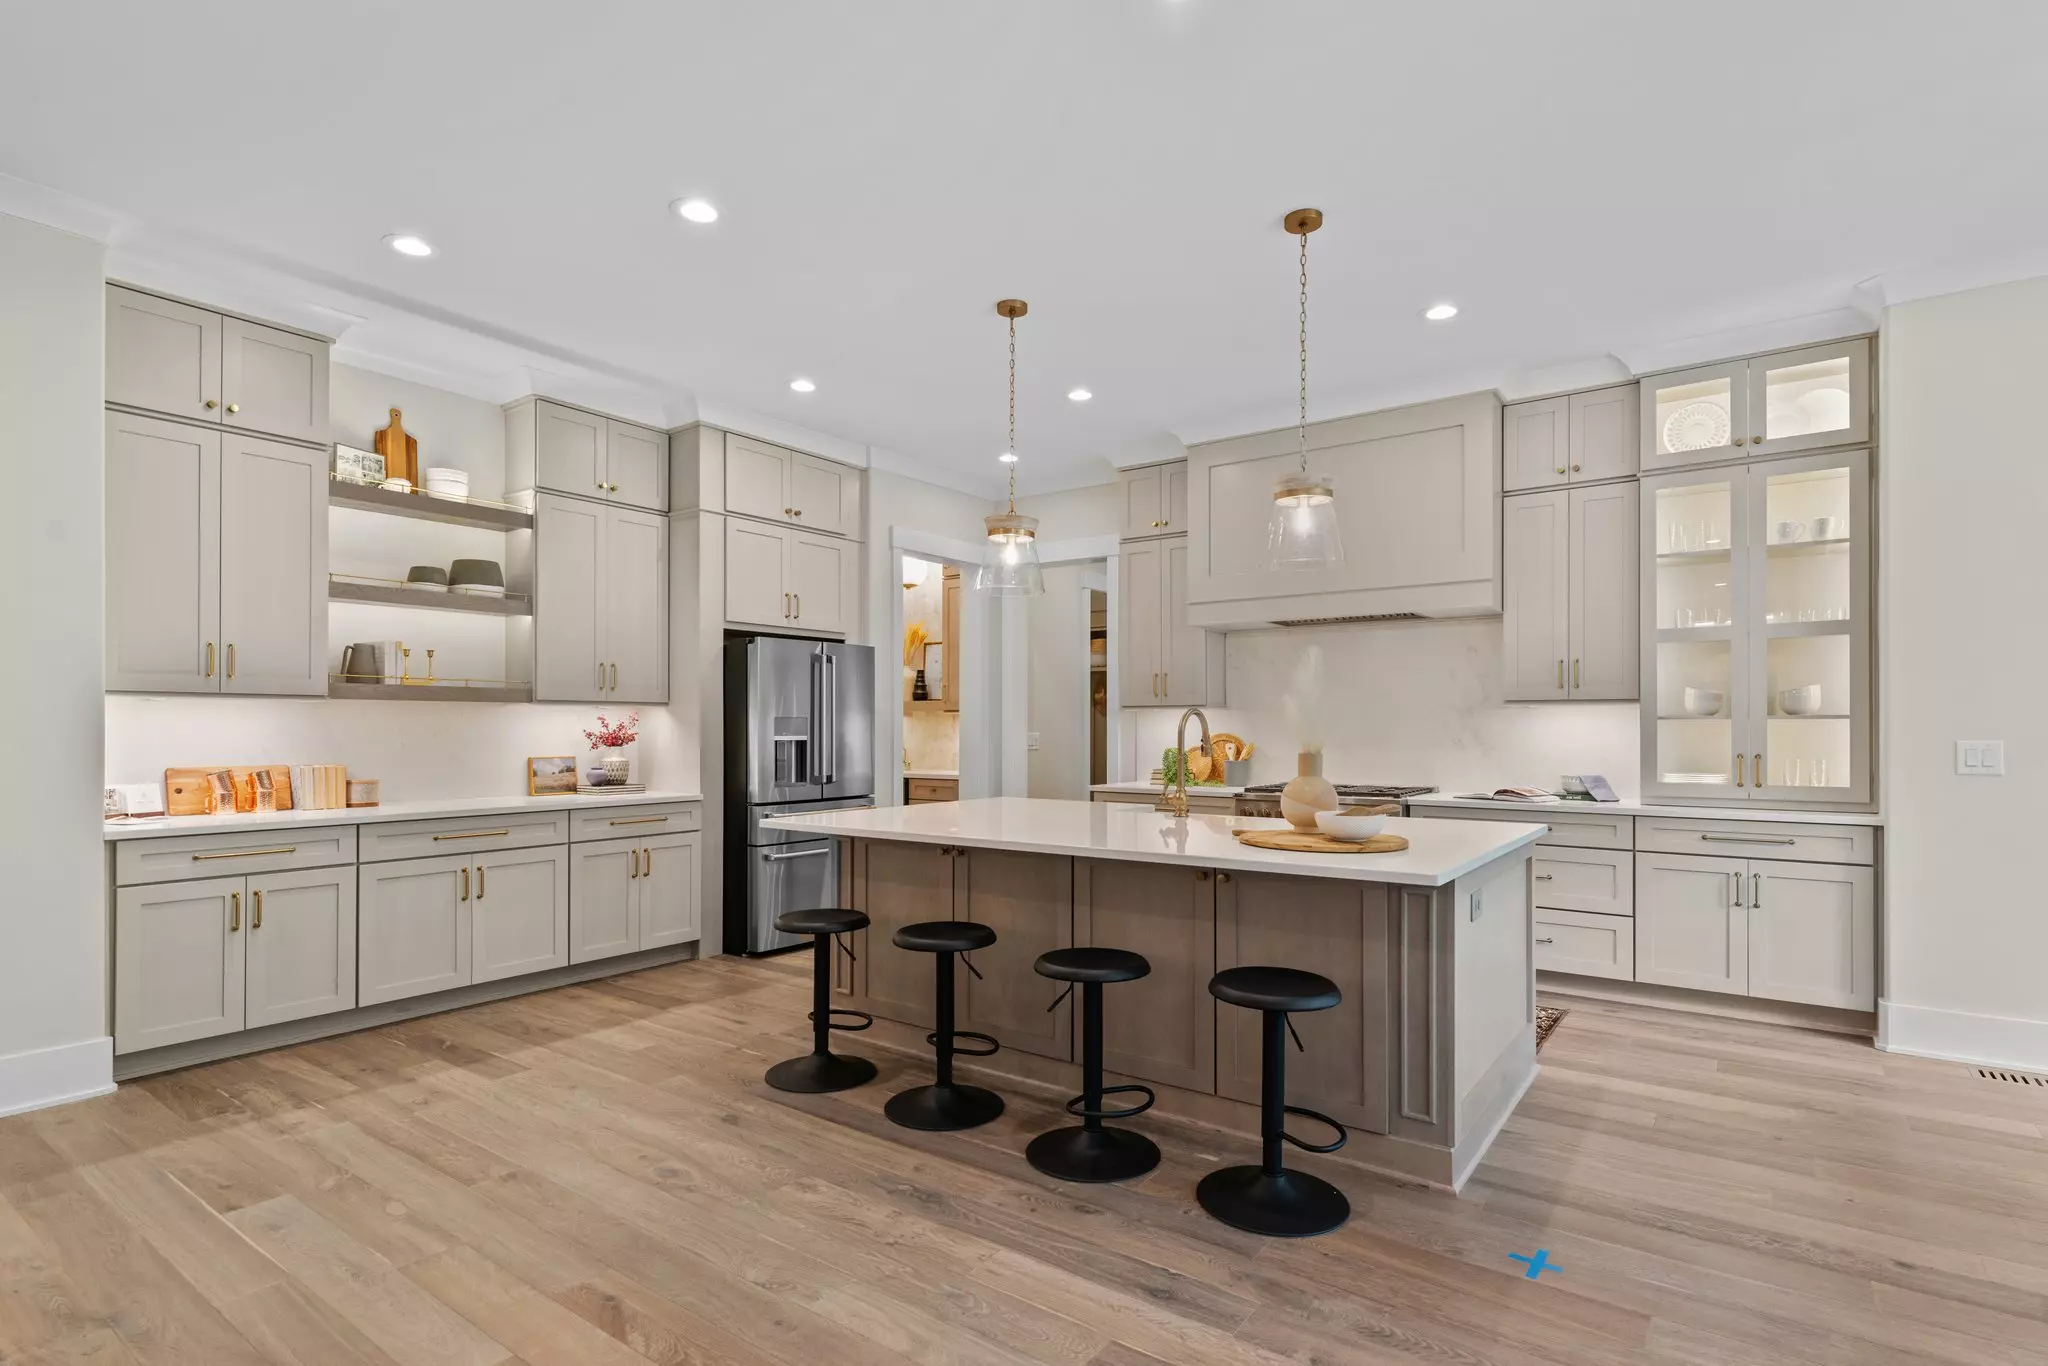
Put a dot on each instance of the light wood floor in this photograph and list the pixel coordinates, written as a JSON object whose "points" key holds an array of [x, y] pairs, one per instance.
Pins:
{"points": [[597, 1175]]}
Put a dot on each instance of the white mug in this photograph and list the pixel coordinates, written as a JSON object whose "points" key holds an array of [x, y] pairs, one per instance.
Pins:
{"points": [[1785, 533], [1829, 528]]}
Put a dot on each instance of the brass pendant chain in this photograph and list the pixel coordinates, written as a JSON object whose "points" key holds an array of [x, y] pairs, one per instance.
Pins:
{"points": [[1304, 353], [1012, 448]]}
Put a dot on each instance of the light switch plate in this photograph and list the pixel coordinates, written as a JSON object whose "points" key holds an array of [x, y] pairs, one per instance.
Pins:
{"points": [[1981, 758], [1031, 739]]}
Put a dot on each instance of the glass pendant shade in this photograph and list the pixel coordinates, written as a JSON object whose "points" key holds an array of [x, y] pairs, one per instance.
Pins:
{"points": [[1301, 531], [1009, 563]]}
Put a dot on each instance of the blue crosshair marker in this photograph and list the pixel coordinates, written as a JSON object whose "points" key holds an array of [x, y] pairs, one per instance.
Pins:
{"points": [[1538, 1264]]}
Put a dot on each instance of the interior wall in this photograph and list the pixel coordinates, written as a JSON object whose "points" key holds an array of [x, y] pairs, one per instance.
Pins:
{"points": [[53, 936], [1057, 630], [1962, 485]]}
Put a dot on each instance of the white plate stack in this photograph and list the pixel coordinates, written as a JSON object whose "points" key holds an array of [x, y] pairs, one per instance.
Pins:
{"points": [[446, 482]]}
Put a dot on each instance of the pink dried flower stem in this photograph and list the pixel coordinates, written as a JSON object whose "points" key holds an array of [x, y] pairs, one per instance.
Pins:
{"points": [[616, 735]]}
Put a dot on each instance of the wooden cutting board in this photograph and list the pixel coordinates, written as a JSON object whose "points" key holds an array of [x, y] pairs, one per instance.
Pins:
{"points": [[185, 788], [1296, 842]]}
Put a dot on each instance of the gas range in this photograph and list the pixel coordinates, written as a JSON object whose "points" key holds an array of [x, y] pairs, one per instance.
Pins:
{"points": [[1264, 799]]}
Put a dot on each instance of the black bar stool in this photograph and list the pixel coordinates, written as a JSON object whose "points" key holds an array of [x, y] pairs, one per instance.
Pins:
{"points": [[946, 1104], [821, 1069], [1090, 1151], [1268, 1198]]}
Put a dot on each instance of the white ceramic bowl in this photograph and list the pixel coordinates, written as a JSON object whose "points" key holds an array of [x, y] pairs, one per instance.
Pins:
{"points": [[1703, 702], [1344, 826], [1800, 701]]}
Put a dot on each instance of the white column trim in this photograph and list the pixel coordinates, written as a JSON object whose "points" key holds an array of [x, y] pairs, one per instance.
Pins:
{"points": [[1959, 1036]]}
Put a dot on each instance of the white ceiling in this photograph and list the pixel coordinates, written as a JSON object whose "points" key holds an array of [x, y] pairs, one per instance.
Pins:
{"points": [[1601, 187]]}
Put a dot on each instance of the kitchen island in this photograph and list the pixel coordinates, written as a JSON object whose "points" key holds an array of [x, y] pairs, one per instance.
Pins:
{"points": [[1431, 946]]}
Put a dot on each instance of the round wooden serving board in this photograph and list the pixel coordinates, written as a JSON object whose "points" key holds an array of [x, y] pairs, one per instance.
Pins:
{"points": [[1295, 842]]}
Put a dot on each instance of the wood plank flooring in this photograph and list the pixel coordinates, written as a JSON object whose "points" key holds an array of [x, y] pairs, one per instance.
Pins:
{"points": [[597, 1175]]}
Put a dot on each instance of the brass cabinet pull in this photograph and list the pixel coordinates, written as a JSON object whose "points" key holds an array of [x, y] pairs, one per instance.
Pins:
{"points": [[647, 868], [1560, 675], [479, 882], [789, 512], [1201, 874], [1736, 899], [1738, 776], [799, 512], [615, 677], [256, 921], [1756, 891], [1748, 839], [474, 835], [231, 659], [465, 885], [1560, 469], [600, 675], [247, 853], [639, 820], [209, 659], [234, 911], [234, 407], [633, 861], [1577, 468], [613, 487], [1166, 684], [211, 405], [1756, 772], [799, 598], [1576, 685], [785, 607], [1223, 877], [1738, 441], [1756, 441], [1545, 877], [1546, 941]]}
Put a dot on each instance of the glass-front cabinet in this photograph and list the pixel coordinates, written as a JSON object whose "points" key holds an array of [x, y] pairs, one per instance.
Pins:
{"points": [[1814, 397], [1756, 619]]}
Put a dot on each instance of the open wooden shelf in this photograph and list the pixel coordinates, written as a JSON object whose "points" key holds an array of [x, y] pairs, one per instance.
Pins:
{"points": [[427, 507], [427, 692], [342, 589]]}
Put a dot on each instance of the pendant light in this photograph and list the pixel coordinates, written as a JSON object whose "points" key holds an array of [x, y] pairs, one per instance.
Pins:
{"points": [[1009, 563], [1301, 531]]}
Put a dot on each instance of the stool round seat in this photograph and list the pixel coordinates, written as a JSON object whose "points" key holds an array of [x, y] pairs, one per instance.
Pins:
{"points": [[944, 936], [1266, 988], [823, 920], [1090, 964]]}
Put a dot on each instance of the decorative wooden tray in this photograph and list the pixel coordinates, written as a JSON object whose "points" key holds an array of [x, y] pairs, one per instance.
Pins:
{"points": [[1295, 842]]}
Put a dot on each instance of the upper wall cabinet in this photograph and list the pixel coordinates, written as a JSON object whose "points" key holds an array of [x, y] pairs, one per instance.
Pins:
{"points": [[561, 449], [1163, 661], [1814, 397], [782, 577], [1155, 501], [775, 484], [600, 602], [1418, 508], [1569, 627], [191, 363], [1570, 439]]}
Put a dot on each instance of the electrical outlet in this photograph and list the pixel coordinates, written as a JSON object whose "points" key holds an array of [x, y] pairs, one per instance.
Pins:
{"points": [[1478, 905], [1981, 758], [1031, 739]]}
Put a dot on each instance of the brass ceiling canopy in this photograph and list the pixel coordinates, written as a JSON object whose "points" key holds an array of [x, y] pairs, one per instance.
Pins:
{"points": [[1017, 308], [1302, 222]]}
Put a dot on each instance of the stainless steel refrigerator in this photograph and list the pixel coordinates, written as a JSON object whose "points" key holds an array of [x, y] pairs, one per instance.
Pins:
{"points": [[799, 736]]}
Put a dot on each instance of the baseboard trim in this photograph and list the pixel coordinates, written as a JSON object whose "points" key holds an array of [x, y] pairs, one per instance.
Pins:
{"points": [[1754, 1008], [1960, 1036], [44, 1077]]}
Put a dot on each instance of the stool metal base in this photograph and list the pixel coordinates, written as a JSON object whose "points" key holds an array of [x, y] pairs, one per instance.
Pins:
{"points": [[817, 1073], [1290, 1205], [1083, 1154], [940, 1109]]}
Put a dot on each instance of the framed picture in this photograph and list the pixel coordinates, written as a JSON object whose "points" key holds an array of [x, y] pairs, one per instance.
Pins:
{"points": [[935, 668], [358, 467], [552, 775]]}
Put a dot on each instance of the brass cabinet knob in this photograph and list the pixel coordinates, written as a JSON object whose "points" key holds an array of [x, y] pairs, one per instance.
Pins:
{"points": [[1560, 469], [1577, 468], [234, 407], [211, 405], [1738, 441], [1756, 441]]}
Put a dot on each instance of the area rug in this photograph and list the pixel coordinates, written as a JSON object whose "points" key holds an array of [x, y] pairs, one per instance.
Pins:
{"points": [[1547, 1019]]}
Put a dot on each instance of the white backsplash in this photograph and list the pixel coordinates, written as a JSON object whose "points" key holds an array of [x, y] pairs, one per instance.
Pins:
{"points": [[1409, 703]]}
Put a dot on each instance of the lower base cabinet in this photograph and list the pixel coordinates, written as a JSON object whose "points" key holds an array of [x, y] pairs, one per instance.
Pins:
{"points": [[433, 924], [197, 959], [1587, 943], [1162, 1026], [519, 915], [1781, 931], [629, 895]]}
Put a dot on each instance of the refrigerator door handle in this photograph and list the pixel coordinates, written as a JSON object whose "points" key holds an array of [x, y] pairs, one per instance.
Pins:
{"points": [[829, 751]]}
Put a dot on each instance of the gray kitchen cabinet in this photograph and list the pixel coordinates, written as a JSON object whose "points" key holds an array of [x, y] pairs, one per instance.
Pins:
{"points": [[781, 576], [1535, 439], [201, 366], [413, 919], [626, 895], [163, 356], [775, 484], [301, 945], [554, 447], [819, 568], [1585, 943], [178, 962], [1692, 922], [1155, 500], [600, 602], [756, 479], [1603, 442], [519, 912], [1569, 587], [1773, 404], [1813, 934], [1571, 439], [669, 878], [274, 382], [1165, 662], [824, 495], [163, 555], [756, 573], [273, 567]]}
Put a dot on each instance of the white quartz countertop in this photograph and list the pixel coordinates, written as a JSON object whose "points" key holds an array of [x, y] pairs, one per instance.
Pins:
{"points": [[1737, 812], [937, 774], [1194, 789], [1439, 851], [148, 827]]}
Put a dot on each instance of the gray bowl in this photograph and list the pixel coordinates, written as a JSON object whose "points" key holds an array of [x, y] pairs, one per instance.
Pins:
{"points": [[476, 574], [431, 577]]}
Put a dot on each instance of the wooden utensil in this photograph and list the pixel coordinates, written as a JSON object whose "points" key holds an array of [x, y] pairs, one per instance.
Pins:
{"points": [[1296, 842], [400, 450]]}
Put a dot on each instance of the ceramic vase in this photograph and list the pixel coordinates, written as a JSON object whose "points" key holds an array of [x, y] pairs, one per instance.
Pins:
{"points": [[1307, 792]]}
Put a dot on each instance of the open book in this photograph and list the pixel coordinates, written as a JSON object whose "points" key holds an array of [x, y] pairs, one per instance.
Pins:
{"points": [[1522, 794]]}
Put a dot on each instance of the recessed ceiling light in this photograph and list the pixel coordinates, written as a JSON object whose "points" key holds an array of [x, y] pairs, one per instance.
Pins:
{"points": [[1008, 457], [1079, 395], [802, 386], [696, 210], [405, 244], [1437, 313]]}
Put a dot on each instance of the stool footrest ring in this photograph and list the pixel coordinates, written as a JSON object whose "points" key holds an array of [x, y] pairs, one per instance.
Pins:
{"points": [[1343, 1134], [1078, 1106], [932, 1040], [867, 1021]]}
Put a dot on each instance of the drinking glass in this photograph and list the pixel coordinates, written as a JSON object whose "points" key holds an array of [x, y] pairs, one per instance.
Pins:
{"points": [[1820, 773], [1795, 773]]}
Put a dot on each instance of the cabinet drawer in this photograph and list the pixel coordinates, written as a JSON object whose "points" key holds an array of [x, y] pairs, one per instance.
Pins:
{"points": [[1590, 945], [634, 822], [1600, 881], [1758, 839], [177, 857], [932, 789], [1569, 829], [473, 835]]}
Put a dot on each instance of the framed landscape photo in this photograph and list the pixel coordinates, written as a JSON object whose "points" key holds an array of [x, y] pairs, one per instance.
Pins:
{"points": [[552, 775]]}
